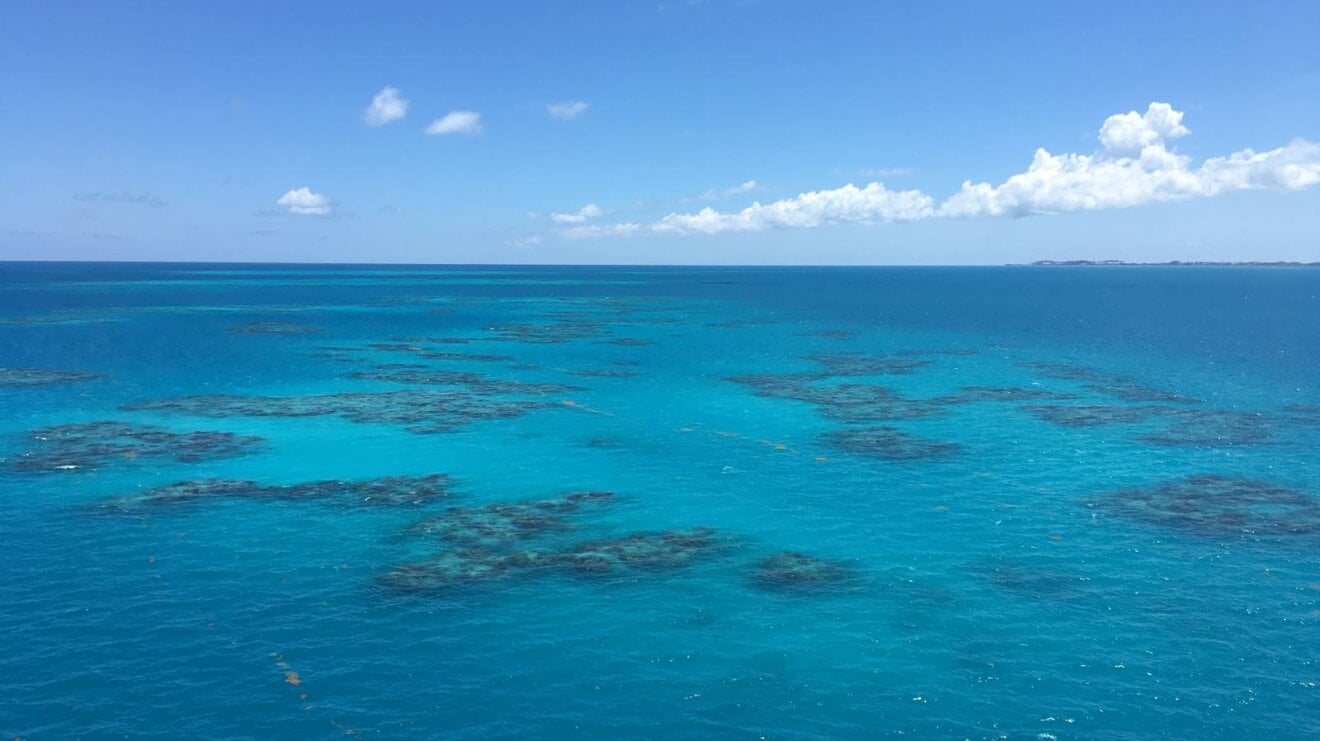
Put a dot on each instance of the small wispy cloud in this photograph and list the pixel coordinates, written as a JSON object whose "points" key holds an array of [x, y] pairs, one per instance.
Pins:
{"points": [[456, 122], [567, 110], [137, 199], [596, 231], [385, 107], [530, 241], [715, 194], [586, 213], [303, 202], [885, 172]]}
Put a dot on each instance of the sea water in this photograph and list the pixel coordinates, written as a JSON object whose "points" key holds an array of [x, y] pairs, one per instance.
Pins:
{"points": [[1019, 502]]}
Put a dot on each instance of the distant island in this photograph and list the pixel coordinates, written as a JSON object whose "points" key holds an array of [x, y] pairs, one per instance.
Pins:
{"points": [[1194, 263]]}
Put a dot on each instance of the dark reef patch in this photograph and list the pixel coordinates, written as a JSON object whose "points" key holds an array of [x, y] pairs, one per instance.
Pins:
{"points": [[390, 491], [858, 364], [791, 571], [475, 382], [32, 377], [889, 443], [498, 524], [1217, 506], [1212, 428], [604, 373], [1071, 372], [627, 342], [422, 412], [288, 328], [91, 445], [1092, 415], [974, 394], [548, 334], [1136, 392]]}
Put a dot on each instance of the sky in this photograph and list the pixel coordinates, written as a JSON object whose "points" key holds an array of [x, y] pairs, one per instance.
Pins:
{"points": [[659, 131]]}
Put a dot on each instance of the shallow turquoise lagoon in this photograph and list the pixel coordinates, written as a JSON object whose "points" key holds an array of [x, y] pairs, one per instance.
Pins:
{"points": [[676, 502]]}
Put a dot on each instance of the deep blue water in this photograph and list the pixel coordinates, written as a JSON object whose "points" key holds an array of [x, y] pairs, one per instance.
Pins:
{"points": [[1029, 502]]}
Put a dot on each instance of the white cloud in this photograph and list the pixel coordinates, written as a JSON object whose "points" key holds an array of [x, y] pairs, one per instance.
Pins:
{"points": [[586, 213], [456, 122], [846, 205], [717, 193], [595, 231], [305, 203], [530, 241], [1135, 166], [567, 110], [385, 107]]}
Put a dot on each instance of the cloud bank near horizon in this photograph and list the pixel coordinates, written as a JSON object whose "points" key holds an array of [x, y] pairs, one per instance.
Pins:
{"points": [[1134, 165]]}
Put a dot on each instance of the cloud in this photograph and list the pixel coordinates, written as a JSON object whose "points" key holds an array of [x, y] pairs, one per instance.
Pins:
{"points": [[567, 110], [387, 106], [847, 205], [717, 193], [530, 241], [595, 231], [885, 172], [1134, 165], [586, 213], [304, 202], [456, 122], [139, 199]]}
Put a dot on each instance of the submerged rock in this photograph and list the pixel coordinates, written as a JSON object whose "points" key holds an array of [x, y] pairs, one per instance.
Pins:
{"points": [[390, 491], [500, 523], [90, 445], [889, 443], [42, 377], [797, 572], [274, 328], [421, 412], [1219, 506]]}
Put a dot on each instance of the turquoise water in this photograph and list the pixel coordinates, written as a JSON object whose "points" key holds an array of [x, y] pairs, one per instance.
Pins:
{"points": [[1028, 503]]}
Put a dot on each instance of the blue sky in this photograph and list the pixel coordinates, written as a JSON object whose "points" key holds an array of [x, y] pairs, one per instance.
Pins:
{"points": [[187, 131]]}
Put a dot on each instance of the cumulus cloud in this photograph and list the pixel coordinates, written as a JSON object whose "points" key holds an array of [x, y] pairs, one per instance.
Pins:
{"points": [[304, 202], [847, 205], [586, 213], [456, 122], [1134, 165], [385, 107], [567, 110]]}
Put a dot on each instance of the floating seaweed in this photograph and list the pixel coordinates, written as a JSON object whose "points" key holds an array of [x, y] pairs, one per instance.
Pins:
{"points": [[1218, 506], [791, 571], [89, 445], [889, 443], [390, 491], [274, 328], [32, 377], [422, 412]]}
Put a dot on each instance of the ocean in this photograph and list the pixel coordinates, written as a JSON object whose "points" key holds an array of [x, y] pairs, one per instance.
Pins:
{"points": [[246, 501]]}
